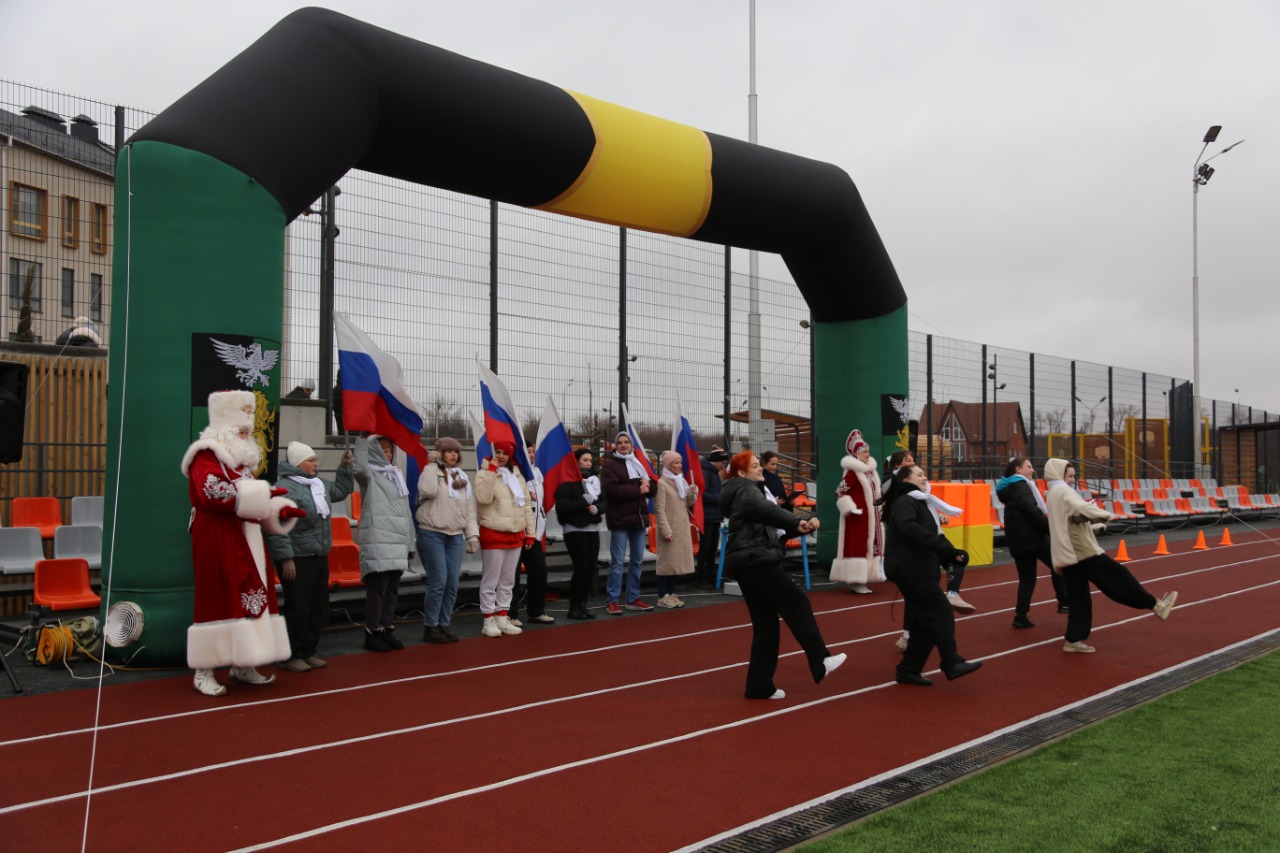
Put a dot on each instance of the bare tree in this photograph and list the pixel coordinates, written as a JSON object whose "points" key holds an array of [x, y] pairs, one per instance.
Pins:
{"points": [[442, 416], [1051, 421]]}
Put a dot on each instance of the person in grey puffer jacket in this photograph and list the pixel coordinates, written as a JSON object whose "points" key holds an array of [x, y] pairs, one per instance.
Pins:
{"points": [[386, 538], [753, 556], [303, 555]]}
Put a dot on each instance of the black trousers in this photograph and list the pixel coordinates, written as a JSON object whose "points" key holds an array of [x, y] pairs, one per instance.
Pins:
{"points": [[381, 592], [1112, 579], [770, 593], [708, 552], [534, 561], [1025, 563], [306, 604], [584, 551], [932, 624]]}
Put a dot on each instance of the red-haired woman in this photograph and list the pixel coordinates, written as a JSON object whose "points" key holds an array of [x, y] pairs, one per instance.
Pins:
{"points": [[753, 556]]}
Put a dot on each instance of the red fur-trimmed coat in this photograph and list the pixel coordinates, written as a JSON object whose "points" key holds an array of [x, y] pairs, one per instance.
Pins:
{"points": [[860, 543], [236, 618]]}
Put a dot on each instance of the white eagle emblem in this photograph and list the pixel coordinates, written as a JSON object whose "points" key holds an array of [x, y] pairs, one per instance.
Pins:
{"points": [[251, 364], [902, 406]]}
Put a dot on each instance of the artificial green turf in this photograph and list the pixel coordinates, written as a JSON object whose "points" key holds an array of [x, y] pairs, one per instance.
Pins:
{"points": [[1197, 770]]}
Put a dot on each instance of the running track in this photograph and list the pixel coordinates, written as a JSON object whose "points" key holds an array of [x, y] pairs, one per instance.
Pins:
{"points": [[626, 734]]}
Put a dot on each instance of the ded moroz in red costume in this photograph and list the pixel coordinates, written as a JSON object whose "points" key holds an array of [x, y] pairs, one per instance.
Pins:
{"points": [[236, 620], [860, 543]]}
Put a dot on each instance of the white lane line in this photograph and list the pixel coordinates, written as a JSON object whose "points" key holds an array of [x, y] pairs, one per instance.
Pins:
{"points": [[219, 709], [959, 748], [528, 706]]}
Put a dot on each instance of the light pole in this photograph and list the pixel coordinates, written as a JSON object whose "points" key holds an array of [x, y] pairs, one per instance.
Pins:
{"points": [[1092, 408], [1200, 175], [992, 374], [564, 413]]}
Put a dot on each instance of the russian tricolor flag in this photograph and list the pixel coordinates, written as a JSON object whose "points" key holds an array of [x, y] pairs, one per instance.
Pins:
{"points": [[483, 448], [682, 443], [501, 423], [554, 455], [374, 397], [642, 455]]}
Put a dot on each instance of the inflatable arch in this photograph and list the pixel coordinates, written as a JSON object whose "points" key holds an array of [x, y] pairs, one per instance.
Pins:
{"points": [[205, 190]]}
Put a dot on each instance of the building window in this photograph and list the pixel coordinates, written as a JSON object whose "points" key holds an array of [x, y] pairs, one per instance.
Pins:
{"points": [[95, 297], [99, 229], [68, 292], [70, 222], [29, 210], [18, 272]]}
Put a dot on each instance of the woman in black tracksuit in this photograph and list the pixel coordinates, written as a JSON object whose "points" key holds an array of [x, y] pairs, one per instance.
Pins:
{"points": [[1026, 532], [914, 549], [753, 557]]}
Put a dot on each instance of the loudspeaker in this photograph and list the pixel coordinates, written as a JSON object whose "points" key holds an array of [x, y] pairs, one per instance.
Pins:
{"points": [[13, 409]]}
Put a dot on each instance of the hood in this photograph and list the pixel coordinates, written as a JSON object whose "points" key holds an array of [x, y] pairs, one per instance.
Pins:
{"points": [[1006, 482], [375, 454], [1055, 469]]}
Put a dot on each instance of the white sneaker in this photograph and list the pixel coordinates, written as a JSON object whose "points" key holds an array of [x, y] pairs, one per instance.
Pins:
{"points": [[1078, 648], [959, 604], [860, 588], [508, 626], [515, 622], [666, 603], [249, 675], [1164, 605], [903, 640], [679, 602], [831, 664], [207, 684], [490, 627], [779, 694]]}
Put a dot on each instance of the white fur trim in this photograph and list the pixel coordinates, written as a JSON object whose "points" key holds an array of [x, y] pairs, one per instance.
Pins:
{"points": [[853, 463], [849, 570], [226, 409], [216, 447], [253, 499], [237, 642], [272, 523], [845, 504]]}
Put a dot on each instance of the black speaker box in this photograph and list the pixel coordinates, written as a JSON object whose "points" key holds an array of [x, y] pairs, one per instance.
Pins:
{"points": [[13, 409]]}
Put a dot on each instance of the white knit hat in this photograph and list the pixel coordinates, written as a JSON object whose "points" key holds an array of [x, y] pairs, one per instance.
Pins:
{"points": [[298, 453]]}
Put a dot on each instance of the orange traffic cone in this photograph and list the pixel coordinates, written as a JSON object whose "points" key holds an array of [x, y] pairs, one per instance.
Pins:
{"points": [[1200, 546], [1226, 537], [1122, 554], [1162, 550]]}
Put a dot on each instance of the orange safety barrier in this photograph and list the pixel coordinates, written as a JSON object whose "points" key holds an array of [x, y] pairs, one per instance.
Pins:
{"points": [[64, 584], [44, 514], [344, 565]]}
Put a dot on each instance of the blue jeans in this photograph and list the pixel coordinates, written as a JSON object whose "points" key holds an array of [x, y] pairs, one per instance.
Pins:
{"points": [[619, 540], [442, 558]]}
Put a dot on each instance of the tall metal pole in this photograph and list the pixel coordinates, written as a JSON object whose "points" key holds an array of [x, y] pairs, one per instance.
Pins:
{"points": [[622, 321], [1195, 325], [493, 286], [755, 426], [728, 343], [328, 252]]}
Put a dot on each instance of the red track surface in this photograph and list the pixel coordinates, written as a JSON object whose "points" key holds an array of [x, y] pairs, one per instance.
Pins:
{"points": [[627, 733]]}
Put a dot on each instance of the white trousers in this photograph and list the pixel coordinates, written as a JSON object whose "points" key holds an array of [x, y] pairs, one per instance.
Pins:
{"points": [[497, 578]]}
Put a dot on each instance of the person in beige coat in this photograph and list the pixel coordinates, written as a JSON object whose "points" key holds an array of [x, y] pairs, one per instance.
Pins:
{"points": [[504, 507], [1075, 551], [446, 521], [675, 540]]}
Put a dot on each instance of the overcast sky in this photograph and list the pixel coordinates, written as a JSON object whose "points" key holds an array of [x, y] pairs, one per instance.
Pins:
{"points": [[1028, 165]]}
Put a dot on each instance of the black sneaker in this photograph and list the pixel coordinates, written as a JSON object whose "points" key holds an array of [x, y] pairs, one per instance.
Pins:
{"points": [[392, 641], [433, 634], [912, 678], [1023, 622], [448, 634], [375, 641], [962, 668], [1062, 608]]}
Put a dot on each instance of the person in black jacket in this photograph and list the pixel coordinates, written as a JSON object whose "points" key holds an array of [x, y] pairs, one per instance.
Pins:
{"points": [[709, 541], [578, 506], [914, 549], [753, 557], [627, 489], [1026, 533]]}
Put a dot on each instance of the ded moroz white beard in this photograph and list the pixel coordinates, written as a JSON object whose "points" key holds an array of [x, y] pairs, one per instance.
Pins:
{"points": [[244, 451]]}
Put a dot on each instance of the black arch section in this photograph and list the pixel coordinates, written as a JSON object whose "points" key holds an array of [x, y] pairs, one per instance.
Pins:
{"points": [[321, 93]]}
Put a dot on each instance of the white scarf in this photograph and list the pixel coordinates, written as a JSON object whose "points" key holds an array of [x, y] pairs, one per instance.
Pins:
{"points": [[936, 505], [634, 469], [1035, 493], [451, 474], [393, 474], [682, 488], [317, 493], [1053, 484], [517, 490], [773, 499], [591, 488]]}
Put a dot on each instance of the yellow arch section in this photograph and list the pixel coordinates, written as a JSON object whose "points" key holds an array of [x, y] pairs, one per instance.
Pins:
{"points": [[644, 172]]}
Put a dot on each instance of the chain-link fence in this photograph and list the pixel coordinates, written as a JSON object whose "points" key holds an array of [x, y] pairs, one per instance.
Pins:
{"points": [[587, 314]]}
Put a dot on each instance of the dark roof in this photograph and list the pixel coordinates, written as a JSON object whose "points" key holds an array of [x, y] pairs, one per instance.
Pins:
{"points": [[47, 132]]}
